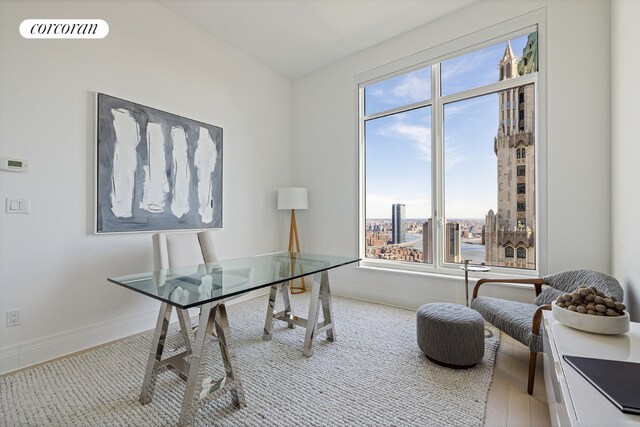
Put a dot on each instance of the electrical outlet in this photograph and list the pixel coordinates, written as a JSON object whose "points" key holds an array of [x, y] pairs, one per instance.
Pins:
{"points": [[14, 318]]}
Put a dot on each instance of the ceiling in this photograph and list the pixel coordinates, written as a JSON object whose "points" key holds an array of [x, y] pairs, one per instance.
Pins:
{"points": [[296, 37]]}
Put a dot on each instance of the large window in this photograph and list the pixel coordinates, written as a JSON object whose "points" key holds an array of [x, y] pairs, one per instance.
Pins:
{"points": [[449, 159]]}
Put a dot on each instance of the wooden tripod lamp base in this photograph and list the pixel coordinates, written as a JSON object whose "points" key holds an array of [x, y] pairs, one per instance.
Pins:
{"points": [[293, 198], [293, 235]]}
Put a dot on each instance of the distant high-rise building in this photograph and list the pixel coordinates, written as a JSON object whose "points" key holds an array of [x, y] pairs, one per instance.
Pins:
{"points": [[452, 250], [397, 224], [427, 241], [509, 233]]}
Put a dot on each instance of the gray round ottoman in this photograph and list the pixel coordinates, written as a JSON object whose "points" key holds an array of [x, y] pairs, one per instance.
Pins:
{"points": [[451, 335]]}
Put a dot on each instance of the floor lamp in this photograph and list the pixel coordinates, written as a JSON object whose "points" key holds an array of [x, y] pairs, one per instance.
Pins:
{"points": [[292, 198]]}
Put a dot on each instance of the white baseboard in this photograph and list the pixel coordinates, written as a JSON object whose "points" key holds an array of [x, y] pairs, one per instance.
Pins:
{"points": [[29, 353], [51, 347], [413, 297], [9, 358], [248, 296], [393, 297]]}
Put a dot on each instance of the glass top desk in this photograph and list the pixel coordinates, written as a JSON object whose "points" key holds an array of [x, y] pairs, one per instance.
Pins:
{"points": [[206, 286]]}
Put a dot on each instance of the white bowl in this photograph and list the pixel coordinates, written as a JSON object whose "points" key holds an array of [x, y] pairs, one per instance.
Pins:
{"points": [[606, 325]]}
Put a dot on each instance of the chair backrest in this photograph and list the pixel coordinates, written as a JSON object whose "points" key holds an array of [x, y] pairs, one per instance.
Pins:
{"points": [[567, 281], [182, 249]]}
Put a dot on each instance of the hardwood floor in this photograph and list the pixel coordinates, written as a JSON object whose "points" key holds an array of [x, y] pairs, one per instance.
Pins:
{"points": [[508, 403]]}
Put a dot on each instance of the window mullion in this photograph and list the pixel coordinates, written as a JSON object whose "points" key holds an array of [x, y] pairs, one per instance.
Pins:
{"points": [[397, 110], [491, 88], [437, 206], [362, 250]]}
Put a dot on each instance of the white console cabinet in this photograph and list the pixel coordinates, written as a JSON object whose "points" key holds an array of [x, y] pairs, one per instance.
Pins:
{"points": [[572, 400]]}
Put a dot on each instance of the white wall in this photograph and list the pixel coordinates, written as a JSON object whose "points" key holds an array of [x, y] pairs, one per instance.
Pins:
{"points": [[51, 266], [324, 118], [625, 63]]}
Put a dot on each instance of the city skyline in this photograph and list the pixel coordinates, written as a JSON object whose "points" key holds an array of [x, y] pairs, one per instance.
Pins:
{"points": [[417, 244]]}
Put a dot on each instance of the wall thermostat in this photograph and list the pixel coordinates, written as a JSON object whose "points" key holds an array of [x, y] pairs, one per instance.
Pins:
{"points": [[13, 165]]}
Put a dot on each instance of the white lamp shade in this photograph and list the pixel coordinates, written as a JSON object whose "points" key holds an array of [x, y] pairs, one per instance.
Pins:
{"points": [[293, 198]]}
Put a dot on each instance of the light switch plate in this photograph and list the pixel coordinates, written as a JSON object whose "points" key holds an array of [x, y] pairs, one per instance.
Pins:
{"points": [[18, 206]]}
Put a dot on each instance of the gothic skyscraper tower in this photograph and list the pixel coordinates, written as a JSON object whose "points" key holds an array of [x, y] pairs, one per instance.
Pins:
{"points": [[509, 234]]}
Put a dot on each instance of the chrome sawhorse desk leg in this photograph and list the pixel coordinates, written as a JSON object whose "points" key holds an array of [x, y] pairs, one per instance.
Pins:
{"points": [[320, 296], [213, 315]]}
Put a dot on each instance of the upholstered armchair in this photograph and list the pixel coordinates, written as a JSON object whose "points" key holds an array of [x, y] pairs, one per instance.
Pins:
{"points": [[522, 321]]}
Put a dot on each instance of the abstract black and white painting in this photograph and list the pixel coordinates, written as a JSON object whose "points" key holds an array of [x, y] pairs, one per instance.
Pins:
{"points": [[155, 170]]}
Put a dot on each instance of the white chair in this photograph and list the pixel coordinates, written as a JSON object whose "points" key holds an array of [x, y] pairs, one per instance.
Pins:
{"points": [[182, 249], [172, 250]]}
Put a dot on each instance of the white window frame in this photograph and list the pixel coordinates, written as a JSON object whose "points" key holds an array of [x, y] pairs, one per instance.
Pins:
{"points": [[522, 25]]}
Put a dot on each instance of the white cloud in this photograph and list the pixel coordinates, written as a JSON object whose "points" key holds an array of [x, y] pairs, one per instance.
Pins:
{"points": [[474, 62], [460, 106], [453, 156], [413, 88], [419, 134], [375, 92]]}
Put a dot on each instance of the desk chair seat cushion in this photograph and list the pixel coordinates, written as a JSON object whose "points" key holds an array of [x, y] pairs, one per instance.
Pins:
{"points": [[451, 335], [512, 317]]}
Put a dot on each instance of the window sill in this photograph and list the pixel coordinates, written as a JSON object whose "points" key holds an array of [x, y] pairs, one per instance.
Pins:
{"points": [[449, 273]]}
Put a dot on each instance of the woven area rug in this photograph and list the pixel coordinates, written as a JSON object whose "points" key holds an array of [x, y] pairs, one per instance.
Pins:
{"points": [[374, 374]]}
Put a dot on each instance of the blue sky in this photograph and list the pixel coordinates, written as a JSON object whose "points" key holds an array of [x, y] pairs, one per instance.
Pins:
{"points": [[398, 151]]}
